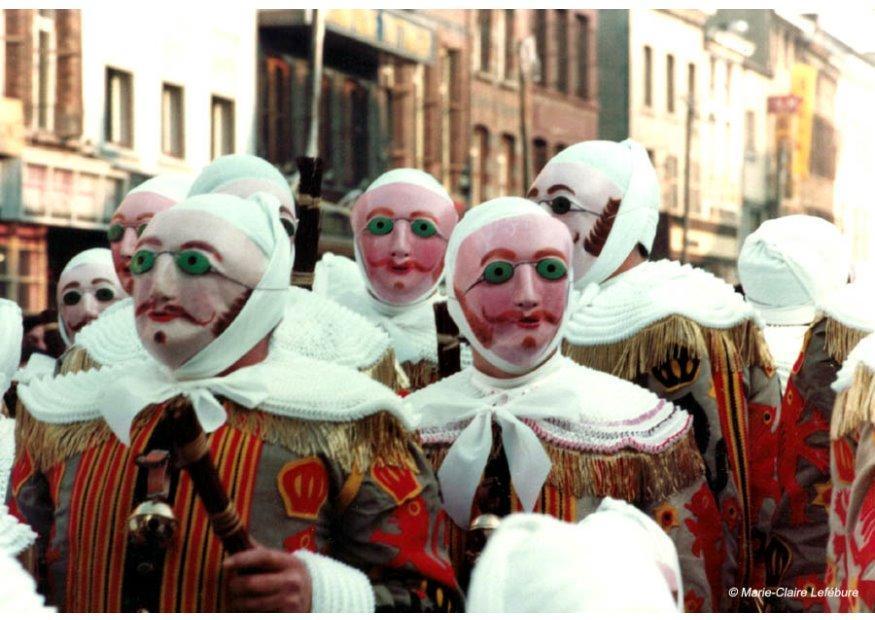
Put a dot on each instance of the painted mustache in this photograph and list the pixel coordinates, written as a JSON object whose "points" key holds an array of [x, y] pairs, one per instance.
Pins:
{"points": [[403, 266], [527, 320], [77, 326], [167, 313]]}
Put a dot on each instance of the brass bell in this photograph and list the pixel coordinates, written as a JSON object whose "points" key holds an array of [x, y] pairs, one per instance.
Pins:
{"points": [[152, 523], [488, 523]]}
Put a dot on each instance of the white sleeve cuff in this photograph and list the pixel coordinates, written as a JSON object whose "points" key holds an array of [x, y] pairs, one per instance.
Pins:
{"points": [[337, 587]]}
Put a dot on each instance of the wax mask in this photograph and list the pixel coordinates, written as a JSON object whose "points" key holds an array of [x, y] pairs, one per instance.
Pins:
{"points": [[245, 187], [84, 292], [193, 272], [126, 225], [511, 280], [585, 200], [401, 232]]}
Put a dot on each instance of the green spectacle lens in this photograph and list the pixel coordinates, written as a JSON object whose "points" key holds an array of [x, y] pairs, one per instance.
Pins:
{"points": [[115, 232], [289, 226], [193, 263], [551, 269], [140, 229], [104, 294], [498, 272], [381, 225], [71, 298], [423, 228], [142, 262]]}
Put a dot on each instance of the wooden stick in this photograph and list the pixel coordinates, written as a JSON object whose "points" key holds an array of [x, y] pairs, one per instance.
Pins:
{"points": [[449, 347], [309, 221]]}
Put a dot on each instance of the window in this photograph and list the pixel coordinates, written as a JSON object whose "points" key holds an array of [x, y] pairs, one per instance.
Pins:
{"points": [[541, 43], [509, 44], [507, 166], [325, 124], [119, 107], [539, 154], [359, 120], [45, 70], [582, 87], [750, 136], [691, 83], [277, 141], [485, 21], [23, 268], [480, 165], [172, 125], [451, 120], [648, 76], [562, 50], [669, 83], [222, 142], [670, 184]]}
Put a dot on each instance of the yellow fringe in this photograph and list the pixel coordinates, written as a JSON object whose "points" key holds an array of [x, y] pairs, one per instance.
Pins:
{"points": [[420, 374], [840, 339], [76, 359], [855, 406], [662, 341], [637, 477], [377, 439], [383, 370]]}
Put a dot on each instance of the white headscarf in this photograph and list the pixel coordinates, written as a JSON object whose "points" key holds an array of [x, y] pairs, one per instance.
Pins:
{"points": [[93, 256], [628, 166], [171, 185], [791, 264], [615, 560], [231, 173], [11, 334], [477, 218]]}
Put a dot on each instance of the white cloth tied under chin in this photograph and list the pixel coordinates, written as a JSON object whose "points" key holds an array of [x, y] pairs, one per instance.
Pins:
{"points": [[148, 383], [465, 462]]}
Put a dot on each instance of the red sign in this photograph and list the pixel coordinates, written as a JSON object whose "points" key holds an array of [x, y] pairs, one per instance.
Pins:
{"points": [[784, 104]]}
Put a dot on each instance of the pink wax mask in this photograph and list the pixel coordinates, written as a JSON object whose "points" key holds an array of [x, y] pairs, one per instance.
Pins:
{"points": [[193, 273], [87, 286], [135, 211], [401, 225], [509, 269]]}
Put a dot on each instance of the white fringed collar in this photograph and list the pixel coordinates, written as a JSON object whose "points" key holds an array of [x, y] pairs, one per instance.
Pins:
{"points": [[851, 305]]}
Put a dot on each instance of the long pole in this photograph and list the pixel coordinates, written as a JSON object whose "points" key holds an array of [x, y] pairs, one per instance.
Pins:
{"points": [[524, 126], [691, 109], [317, 37]]}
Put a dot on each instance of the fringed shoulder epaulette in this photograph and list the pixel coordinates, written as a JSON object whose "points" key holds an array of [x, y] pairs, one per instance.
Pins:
{"points": [[744, 346], [855, 406], [383, 370], [76, 359], [841, 339], [420, 374], [631, 475], [356, 445], [49, 444]]}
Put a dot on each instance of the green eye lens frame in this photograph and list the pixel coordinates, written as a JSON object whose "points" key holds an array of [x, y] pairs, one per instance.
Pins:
{"points": [[500, 271], [104, 294], [115, 233], [71, 298], [191, 262], [421, 227]]}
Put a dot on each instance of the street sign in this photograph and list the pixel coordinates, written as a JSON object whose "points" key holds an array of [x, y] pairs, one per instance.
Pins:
{"points": [[784, 104]]}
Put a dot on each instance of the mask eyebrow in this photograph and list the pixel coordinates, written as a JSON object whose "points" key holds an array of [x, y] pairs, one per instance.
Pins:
{"points": [[559, 187], [201, 245], [380, 211], [500, 253], [149, 241], [73, 284], [549, 252], [99, 280], [424, 214], [533, 193]]}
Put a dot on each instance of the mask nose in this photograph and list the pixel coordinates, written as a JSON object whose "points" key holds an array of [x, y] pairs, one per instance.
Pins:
{"points": [[401, 242], [525, 295]]}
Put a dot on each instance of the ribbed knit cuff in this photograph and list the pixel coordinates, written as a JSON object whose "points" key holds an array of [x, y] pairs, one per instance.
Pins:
{"points": [[337, 587]]}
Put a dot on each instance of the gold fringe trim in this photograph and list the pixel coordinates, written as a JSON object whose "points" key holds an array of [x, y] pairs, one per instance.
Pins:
{"points": [[383, 370], [855, 406], [662, 341], [76, 359], [420, 374], [49, 444], [841, 339], [638, 477]]}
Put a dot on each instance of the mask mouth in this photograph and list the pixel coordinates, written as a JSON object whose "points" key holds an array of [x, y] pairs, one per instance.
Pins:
{"points": [[402, 268], [530, 321]]}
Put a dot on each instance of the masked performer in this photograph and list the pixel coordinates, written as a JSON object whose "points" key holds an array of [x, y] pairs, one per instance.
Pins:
{"points": [[112, 340], [850, 575], [317, 458], [318, 328], [672, 328], [525, 428], [793, 269], [401, 225]]}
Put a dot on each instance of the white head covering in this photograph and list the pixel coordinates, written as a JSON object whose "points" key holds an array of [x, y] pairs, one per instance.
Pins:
{"points": [[228, 172], [15, 537], [477, 218], [628, 166], [258, 218], [173, 186], [11, 334], [410, 176], [93, 256], [789, 265], [615, 560]]}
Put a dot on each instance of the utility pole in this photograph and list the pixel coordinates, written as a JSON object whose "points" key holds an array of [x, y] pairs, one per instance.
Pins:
{"points": [[317, 37], [529, 66], [691, 113]]}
